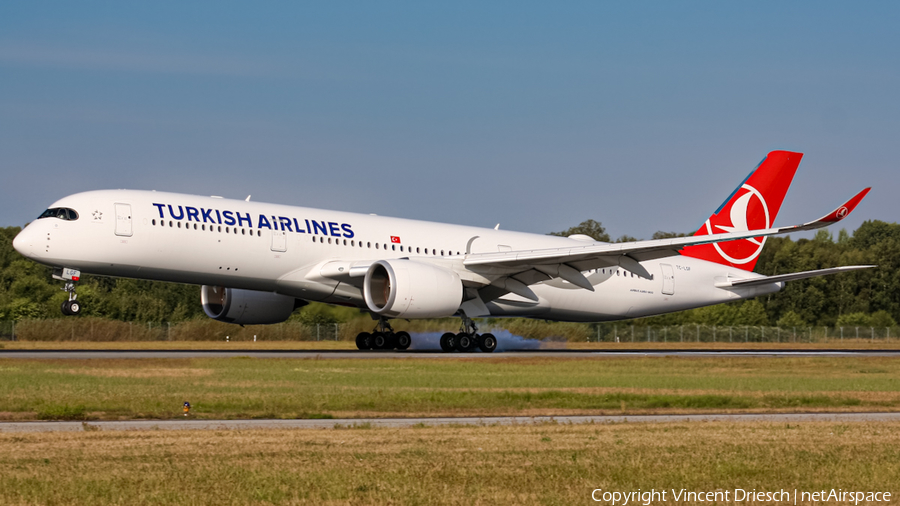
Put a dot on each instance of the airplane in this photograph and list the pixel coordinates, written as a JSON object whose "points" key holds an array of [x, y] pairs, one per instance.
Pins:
{"points": [[258, 262]]}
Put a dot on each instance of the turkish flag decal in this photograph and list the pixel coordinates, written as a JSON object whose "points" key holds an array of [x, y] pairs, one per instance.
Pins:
{"points": [[395, 239]]}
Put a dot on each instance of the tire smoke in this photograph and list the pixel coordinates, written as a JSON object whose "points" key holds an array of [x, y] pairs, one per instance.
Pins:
{"points": [[506, 341]]}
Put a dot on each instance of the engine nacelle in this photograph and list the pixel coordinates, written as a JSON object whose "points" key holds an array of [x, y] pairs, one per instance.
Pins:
{"points": [[246, 307], [410, 289]]}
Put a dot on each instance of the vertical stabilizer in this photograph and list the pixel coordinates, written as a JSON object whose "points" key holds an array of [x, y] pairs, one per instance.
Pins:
{"points": [[752, 206]]}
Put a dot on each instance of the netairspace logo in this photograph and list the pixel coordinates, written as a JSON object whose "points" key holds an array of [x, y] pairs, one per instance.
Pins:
{"points": [[737, 496]]}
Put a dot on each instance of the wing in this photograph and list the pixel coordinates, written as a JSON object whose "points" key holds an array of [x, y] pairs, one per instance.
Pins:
{"points": [[514, 270]]}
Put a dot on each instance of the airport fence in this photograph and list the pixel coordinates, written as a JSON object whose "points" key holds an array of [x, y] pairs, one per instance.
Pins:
{"points": [[103, 330], [696, 333]]}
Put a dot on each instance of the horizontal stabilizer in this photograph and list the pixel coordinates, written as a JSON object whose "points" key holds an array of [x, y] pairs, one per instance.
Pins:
{"points": [[791, 277]]}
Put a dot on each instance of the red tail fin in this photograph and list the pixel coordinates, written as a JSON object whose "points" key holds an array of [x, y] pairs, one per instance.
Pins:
{"points": [[752, 206]]}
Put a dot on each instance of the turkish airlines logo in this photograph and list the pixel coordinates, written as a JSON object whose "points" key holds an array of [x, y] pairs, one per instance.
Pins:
{"points": [[748, 211]]}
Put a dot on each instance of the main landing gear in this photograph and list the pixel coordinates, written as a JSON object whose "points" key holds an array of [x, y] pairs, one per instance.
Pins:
{"points": [[70, 307], [468, 339], [383, 338]]}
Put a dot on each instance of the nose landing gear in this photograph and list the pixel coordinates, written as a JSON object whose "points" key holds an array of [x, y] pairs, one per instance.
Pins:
{"points": [[70, 307]]}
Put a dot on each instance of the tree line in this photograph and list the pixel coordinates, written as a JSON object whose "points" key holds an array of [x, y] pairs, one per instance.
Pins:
{"points": [[868, 298]]}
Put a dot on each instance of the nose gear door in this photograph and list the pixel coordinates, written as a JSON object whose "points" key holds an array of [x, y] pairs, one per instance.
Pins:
{"points": [[123, 220]]}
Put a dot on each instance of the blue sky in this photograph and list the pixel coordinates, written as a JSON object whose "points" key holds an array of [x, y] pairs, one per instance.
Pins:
{"points": [[642, 115]]}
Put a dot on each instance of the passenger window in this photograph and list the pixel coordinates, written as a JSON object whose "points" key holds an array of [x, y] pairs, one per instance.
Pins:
{"points": [[153, 222]]}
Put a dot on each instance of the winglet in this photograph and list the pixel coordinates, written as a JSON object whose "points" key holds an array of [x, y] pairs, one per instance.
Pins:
{"points": [[834, 216], [841, 212]]}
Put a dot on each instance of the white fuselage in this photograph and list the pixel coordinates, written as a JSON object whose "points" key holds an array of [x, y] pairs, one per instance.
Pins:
{"points": [[277, 248]]}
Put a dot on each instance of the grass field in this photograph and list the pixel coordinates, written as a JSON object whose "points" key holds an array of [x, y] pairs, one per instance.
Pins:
{"points": [[303, 388], [544, 464]]}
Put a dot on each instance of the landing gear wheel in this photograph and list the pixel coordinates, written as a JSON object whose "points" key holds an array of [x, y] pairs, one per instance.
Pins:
{"points": [[71, 308], [487, 343], [448, 342], [464, 342], [402, 340], [381, 340], [364, 341]]}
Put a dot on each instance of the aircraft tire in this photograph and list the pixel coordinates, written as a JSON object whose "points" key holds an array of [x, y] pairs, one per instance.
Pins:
{"points": [[448, 342], [487, 343], [74, 307], [381, 341], [464, 342], [364, 341], [65, 308], [402, 340]]}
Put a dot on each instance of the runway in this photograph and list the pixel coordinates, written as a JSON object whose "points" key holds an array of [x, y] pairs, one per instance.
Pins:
{"points": [[410, 422], [354, 354]]}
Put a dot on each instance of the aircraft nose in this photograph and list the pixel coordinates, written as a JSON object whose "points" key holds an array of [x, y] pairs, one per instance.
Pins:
{"points": [[24, 242]]}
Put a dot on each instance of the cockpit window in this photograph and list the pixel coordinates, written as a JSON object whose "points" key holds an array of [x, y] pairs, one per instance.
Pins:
{"points": [[63, 213]]}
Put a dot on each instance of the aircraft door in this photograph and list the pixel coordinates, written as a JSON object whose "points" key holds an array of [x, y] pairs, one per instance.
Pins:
{"points": [[668, 279], [123, 220], [279, 240]]}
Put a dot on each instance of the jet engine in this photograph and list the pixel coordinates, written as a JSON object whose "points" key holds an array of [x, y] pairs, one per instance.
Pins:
{"points": [[409, 289], [247, 307]]}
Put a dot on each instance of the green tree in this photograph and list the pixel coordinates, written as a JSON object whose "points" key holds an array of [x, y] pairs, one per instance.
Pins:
{"points": [[791, 319], [882, 318], [590, 228], [854, 320], [752, 312]]}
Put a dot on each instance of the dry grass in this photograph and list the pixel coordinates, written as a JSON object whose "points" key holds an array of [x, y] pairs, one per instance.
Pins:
{"points": [[544, 464]]}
